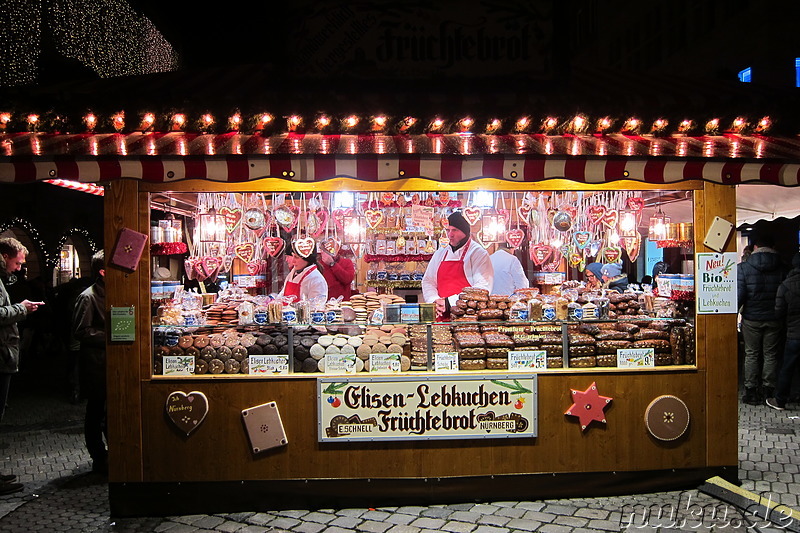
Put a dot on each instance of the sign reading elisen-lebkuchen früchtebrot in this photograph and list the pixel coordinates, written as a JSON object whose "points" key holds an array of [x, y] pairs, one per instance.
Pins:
{"points": [[438, 407]]}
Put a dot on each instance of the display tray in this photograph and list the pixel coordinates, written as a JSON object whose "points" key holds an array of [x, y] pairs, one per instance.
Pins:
{"points": [[344, 349]]}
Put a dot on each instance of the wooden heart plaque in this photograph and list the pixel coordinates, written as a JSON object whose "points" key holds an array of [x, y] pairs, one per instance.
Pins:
{"points": [[187, 411]]}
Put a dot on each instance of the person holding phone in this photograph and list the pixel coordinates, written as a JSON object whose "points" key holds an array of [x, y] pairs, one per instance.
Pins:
{"points": [[12, 256]]}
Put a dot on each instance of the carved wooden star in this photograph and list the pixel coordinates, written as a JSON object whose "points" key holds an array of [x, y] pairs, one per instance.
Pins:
{"points": [[588, 405]]}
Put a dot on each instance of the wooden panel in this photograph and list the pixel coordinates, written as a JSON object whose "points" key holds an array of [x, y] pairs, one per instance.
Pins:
{"points": [[219, 450], [124, 289], [717, 339]]}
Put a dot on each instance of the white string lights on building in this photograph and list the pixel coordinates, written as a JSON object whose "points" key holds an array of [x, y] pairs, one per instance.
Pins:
{"points": [[107, 36]]}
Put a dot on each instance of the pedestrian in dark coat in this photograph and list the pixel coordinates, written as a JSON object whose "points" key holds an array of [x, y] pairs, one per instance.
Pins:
{"points": [[12, 257], [89, 326], [787, 307], [758, 281]]}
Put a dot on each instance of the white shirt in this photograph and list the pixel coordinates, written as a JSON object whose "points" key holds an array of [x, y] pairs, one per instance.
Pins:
{"points": [[312, 286], [477, 268], [508, 273]]}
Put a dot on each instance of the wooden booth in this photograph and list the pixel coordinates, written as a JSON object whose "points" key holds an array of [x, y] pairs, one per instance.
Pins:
{"points": [[552, 409]]}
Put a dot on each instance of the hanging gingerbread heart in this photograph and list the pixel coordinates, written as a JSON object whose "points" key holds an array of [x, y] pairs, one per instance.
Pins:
{"points": [[472, 215], [570, 209], [253, 268], [632, 246], [187, 411], [374, 217], [595, 214], [387, 198], [551, 214], [286, 216], [593, 248], [189, 266], [443, 241], [581, 239], [210, 266], [514, 237], [480, 238], [227, 263], [541, 253], [575, 258], [274, 246], [245, 251], [612, 254], [524, 212], [338, 217], [233, 216], [611, 218], [331, 245], [564, 250], [322, 217], [311, 222], [304, 246], [634, 203]]}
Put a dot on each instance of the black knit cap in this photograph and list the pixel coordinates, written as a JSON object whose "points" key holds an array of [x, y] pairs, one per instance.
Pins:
{"points": [[457, 220]]}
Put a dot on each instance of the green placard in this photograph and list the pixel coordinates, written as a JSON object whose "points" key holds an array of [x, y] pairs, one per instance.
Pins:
{"points": [[123, 324]]}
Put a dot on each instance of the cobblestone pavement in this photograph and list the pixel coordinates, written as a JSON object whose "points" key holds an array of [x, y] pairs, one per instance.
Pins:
{"points": [[41, 441]]}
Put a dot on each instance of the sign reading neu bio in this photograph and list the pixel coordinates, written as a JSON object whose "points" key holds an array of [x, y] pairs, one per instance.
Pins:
{"points": [[443, 407], [716, 283]]}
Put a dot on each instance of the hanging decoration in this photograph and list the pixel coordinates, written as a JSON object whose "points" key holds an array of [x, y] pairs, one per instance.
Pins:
{"points": [[588, 406]]}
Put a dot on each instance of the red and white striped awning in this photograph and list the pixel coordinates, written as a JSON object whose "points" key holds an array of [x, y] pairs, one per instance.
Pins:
{"points": [[153, 157]]}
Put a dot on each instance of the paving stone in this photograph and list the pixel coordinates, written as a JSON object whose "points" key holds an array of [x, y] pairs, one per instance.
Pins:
{"points": [[466, 516], [437, 512], [458, 527], [490, 529], [524, 524], [403, 528], [494, 520], [348, 522], [322, 518], [428, 523], [400, 519], [591, 513], [373, 526], [309, 527]]}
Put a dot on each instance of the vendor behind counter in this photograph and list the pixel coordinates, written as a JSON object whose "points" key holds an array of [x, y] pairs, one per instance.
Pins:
{"points": [[462, 263]]}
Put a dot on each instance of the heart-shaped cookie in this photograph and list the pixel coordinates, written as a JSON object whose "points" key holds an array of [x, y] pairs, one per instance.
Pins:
{"points": [[632, 246], [254, 268], [233, 216], [338, 217], [387, 198], [332, 245], [189, 266], [541, 253], [187, 411], [274, 246], [374, 217], [514, 237], [595, 214], [524, 212], [472, 215], [245, 251], [581, 239], [210, 266], [322, 216], [227, 263], [612, 254], [634, 204], [304, 246], [611, 218], [481, 239]]}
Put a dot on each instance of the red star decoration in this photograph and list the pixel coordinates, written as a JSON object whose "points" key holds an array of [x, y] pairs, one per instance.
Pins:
{"points": [[588, 405]]}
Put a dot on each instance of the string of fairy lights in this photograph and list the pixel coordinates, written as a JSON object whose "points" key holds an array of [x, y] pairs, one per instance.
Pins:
{"points": [[107, 36], [265, 123], [49, 254]]}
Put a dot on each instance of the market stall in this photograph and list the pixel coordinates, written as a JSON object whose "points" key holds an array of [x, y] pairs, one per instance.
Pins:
{"points": [[225, 396]]}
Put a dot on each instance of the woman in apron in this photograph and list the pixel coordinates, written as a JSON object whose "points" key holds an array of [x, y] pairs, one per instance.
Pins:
{"points": [[304, 281]]}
